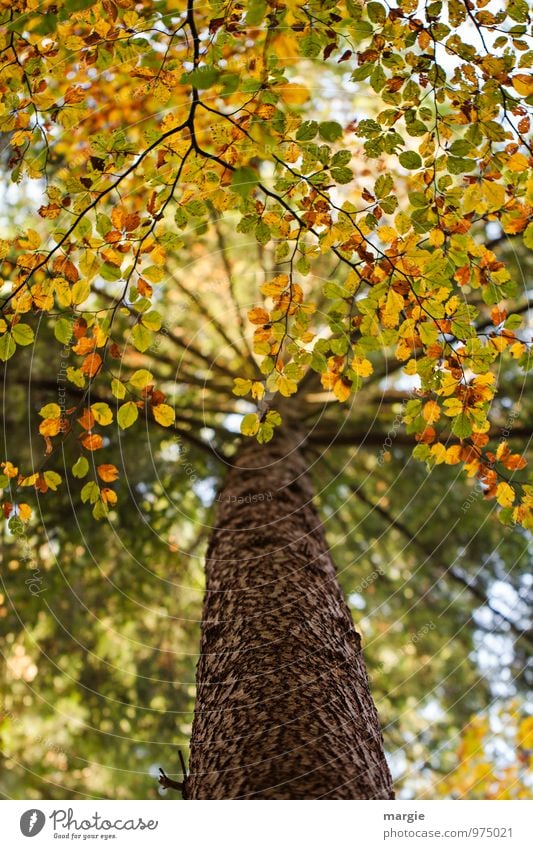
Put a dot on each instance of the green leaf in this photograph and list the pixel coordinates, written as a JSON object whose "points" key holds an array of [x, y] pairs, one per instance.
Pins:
{"points": [[22, 334], [307, 131], [310, 46], [461, 426], [201, 78], [330, 130], [90, 492], [63, 330], [142, 337], [127, 415], [528, 236], [152, 320], [410, 159], [7, 347], [342, 175], [80, 467], [262, 232], [244, 180], [513, 322]]}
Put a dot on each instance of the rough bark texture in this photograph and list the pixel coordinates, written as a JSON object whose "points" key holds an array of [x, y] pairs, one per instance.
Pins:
{"points": [[283, 708]]}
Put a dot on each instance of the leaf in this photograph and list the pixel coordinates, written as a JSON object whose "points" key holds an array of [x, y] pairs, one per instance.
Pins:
{"points": [[244, 181], [50, 411], [127, 414], [107, 472], [92, 441], [22, 334], [63, 330], [410, 160], [241, 387], [164, 414], [52, 479], [80, 467], [431, 412], [118, 389], [505, 494], [330, 130], [523, 84], [342, 389], [250, 424], [141, 378], [90, 492], [102, 413], [258, 315], [7, 347], [80, 292], [286, 386], [152, 320], [91, 364], [24, 512], [142, 337], [461, 426]]}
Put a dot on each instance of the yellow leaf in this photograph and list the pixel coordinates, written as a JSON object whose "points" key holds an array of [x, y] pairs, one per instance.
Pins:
{"points": [[341, 389], [361, 366], [518, 162], [524, 736], [102, 413], [393, 305], [523, 84], [294, 93], [164, 414], [50, 427], [241, 386], [10, 471], [285, 385], [504, 494], [436, 238], [250, 424], [431, 412], [473, 199], [438, 450], [24, 511], [453, 455], [275, 287], [50, 411], [258, 390], [494, 194], [387, 234]]}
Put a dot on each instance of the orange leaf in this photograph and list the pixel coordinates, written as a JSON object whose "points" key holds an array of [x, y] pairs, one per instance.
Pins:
{"points": [[64, 267], [92, 441], [258, 316], [91, 364], [87, 419], [50, 427], [109, 496], [107, 472]]}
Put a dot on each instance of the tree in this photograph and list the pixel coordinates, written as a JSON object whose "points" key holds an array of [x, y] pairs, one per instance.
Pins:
{"points": [[219, 237]]}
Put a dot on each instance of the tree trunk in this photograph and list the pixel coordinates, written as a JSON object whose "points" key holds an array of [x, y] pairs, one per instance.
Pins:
{"points": [[283, 706]]}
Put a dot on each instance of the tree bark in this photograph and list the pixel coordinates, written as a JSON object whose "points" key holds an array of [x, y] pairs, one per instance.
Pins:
{"points": [[283, 706]]}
